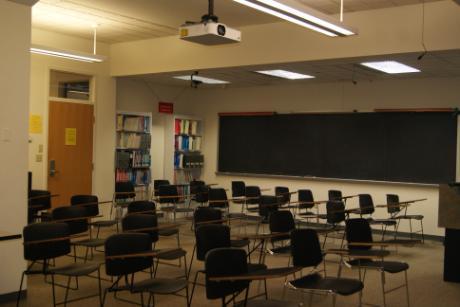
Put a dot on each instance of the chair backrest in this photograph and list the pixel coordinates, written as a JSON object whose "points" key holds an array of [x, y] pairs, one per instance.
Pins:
{"points": [[124, 190], [170, 191], [358, 230], [281, 221], [267, 205], [90, 203], [209, 237], [253, 193], [40, 199], [46, 250], [334, 195], [218, 198], [366, 204], [157, 183], [238, 188], [283, 195], [201, 193], [305, 195], [335, 212], [206, 214], [393, 203], [305, 248], [127, 243], [225, 262], [142, 206], [194, 184], [74, 216], [132, 222]]}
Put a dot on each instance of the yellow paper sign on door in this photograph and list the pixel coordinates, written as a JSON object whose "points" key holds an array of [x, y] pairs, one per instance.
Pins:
{"points": [[35, 124], [71, 136]]}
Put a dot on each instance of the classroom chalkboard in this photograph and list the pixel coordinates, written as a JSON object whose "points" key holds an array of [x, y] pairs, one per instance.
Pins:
{"points": [[417, 147]]}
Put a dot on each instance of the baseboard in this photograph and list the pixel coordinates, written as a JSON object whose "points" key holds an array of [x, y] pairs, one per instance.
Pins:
{"points": [[12, 296]]}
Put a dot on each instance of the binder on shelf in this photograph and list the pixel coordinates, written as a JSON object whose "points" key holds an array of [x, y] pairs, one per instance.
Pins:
{"points": [[193, 127]]}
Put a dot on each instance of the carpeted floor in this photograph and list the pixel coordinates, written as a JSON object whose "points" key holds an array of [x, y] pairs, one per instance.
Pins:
{"points": [[426, 286]]}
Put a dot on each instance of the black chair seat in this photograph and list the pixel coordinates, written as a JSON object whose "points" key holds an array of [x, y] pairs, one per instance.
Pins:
{"points": [[387, 266], [342, 286], [387, 222], [236, 215], [308, 213], [160, 285], [271, 303], [103, 223], [168, 208], [409, 217], [238, 201], [75, 269], [90, 242], [252, 209], [254, 267], [168, 232], [184, 210], [122, 204], [281, 250], [239, 243], [322, 216], [171, 254]]}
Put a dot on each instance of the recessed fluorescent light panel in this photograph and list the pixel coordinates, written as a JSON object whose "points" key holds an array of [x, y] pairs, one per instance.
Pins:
{"points": [[71, 55], [285, 74], [391, 67], [300, 14], [202, 79]]}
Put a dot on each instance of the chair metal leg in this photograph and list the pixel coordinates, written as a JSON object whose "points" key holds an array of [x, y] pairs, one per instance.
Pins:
{"points": [[99, 285], [194, 285], [383, 287], [423, 235], [20, 289], [191, 261], [66, 296], [54, 292], [407, 288], [410, 227]]}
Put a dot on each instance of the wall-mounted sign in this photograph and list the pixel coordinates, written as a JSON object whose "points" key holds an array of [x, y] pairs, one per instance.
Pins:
{"points": [[35, 124], [71, 136], [166, 107]]}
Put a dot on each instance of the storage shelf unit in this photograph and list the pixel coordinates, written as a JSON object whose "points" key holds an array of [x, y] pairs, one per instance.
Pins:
{"points": [[132, 157], [185, 138]]}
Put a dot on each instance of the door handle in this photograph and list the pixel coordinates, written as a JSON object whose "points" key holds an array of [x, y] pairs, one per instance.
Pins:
{"points": [[53, 170]]}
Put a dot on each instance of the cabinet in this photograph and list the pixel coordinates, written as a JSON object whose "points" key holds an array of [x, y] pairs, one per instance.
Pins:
{"points": [[132, 156]]}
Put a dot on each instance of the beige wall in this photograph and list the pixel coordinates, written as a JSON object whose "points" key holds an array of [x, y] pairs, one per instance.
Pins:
{"points": [[383, 31], [365, 96], [14, 107], [103, 100]]}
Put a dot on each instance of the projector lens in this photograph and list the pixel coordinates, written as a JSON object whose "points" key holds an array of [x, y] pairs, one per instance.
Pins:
{"points": [[221, 30]]}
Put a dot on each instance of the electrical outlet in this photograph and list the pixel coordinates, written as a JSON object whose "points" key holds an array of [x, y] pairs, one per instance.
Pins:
{"points": [[40, 148], [38, 158]]}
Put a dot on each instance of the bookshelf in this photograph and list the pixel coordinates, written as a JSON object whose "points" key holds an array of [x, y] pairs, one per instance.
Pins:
{"points": [[184, 152], [132, 156]]}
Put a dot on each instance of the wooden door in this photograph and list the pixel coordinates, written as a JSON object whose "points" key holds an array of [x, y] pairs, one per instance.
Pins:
{"points": [[70, 150]]}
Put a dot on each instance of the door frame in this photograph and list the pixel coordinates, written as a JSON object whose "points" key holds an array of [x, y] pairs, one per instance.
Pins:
{"points": [[91, 101]]}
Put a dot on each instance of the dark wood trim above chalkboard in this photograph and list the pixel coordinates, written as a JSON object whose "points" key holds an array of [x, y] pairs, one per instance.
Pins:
{"points": [[289, 177]]}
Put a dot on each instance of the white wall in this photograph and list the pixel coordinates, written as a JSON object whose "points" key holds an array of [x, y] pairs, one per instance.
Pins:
{"points": [[14, 107], [104, 108], [305, 97]]}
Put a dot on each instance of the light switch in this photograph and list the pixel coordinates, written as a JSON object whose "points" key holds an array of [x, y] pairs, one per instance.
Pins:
{"points": [[40, 148], [38, 158]]}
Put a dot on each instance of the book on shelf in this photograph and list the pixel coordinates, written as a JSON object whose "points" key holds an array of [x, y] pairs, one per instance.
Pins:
{"points": [[132, 159], [188, 160], [133, 140], [136, 123], [185, 127], [137, 177], [190, 143]]}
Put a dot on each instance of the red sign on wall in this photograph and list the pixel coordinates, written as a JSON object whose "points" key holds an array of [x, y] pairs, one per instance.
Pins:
{"points": [[166, 107]]}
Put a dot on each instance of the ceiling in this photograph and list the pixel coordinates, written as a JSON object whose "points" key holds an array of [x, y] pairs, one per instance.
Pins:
{"points": [[432, 65], [123, 20]]}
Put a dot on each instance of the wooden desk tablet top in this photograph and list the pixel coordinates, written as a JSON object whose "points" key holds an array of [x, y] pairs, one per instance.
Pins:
{"points": [[5, 236], [259, 275]]}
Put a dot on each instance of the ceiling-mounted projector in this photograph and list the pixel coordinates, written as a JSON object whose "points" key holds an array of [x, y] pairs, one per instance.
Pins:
{"points": [[209, 31]]}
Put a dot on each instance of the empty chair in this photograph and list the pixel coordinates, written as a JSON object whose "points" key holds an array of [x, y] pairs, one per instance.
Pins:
{"points": [[307, 202], [211, 236], [359, 231], [284, 196], [77, 219], [281, 222], [123, 260], [170, 200], [148, 223], [218, 199], [267, 205], [156, 185], [39, 200], [252, 196], [307, 253], [90, 203], [366, 207], [394, 209], [46, 241], [335, 216]]}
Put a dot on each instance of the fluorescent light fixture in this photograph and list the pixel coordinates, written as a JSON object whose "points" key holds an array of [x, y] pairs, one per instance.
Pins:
{"points": [[300, 14], [285, 74], [71, 55], [391, 67], [201, 79]]}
